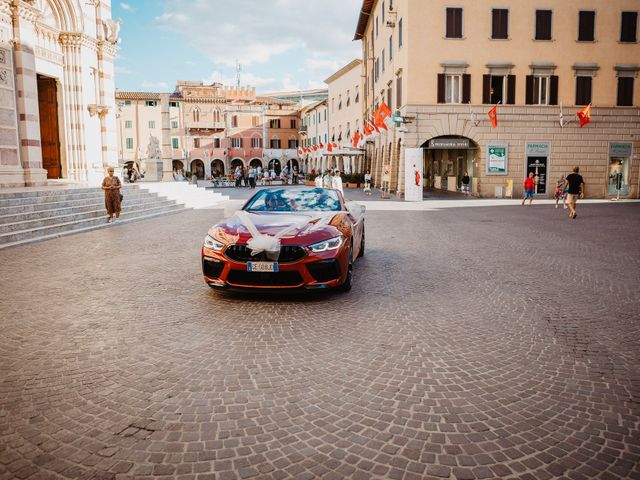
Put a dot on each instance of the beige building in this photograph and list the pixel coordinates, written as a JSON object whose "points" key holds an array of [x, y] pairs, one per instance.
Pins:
{"points": [[345, 114], [442, 66], [314, 131], [57, 117], [205, 129]]}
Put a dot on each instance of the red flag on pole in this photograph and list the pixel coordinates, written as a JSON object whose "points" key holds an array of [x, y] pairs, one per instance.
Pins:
{"points": [[329, 147], [584, 115], [381, 114], [493, 115], [356, 139]]}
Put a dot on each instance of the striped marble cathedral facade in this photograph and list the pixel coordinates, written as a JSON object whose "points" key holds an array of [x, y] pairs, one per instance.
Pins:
{"points": [[57, 103]]}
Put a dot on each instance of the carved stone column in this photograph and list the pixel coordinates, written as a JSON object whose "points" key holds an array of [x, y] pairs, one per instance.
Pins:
{"points": [[26, 85]]}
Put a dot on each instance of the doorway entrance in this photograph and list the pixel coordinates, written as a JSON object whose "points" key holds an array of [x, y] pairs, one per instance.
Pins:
{"points": [[49, 131]]}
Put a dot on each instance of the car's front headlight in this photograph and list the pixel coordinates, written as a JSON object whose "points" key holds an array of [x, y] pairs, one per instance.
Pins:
{"points": [[213, 244], [331, 244]]}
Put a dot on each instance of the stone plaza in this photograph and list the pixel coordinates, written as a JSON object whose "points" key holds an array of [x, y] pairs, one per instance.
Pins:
{"points": [[489, 342]]}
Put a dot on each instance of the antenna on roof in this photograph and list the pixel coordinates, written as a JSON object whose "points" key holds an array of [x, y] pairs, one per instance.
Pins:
{"points": [[238, 72]]}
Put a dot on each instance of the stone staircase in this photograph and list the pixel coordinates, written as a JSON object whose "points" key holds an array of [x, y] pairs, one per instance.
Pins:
{"points": [[38, 214]]}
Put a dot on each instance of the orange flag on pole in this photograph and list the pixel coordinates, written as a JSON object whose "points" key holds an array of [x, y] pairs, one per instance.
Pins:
{"points": [[381, 114], [584, 115], [493, 115], [356, 139]]}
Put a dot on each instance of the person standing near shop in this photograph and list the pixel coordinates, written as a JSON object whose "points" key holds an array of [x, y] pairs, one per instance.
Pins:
{"points": [[574, 185], [112, 200], [529, 189], [465, 183], [252, 177], [561, 192]]}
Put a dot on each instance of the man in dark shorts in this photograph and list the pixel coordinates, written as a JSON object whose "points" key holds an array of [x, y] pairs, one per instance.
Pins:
{"points": [[574, 186]]}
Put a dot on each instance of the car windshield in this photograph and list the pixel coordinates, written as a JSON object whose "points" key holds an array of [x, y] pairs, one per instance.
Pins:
{"points": [[295, 200]]}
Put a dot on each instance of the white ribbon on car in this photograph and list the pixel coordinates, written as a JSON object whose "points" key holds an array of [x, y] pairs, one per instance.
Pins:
{"points": [[270, 244]]}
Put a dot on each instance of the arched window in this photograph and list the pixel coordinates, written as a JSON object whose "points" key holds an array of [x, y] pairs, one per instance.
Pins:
{"points": [[196, 114], [216, 115]]}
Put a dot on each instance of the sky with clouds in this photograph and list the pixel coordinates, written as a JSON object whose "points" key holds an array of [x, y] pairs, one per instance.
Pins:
{"points": [[281, 44]]}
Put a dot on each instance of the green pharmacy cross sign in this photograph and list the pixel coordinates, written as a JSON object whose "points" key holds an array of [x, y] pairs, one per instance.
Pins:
{"points": [[397, 118]]}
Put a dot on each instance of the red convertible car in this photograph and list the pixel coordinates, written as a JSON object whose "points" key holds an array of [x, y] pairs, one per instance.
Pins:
{"points": [[286, 238]]}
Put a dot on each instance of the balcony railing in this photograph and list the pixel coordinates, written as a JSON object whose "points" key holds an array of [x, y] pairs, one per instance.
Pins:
{"points": [[303, 129]]}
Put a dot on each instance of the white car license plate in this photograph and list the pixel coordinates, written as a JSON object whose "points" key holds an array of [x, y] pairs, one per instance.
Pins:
{"points": [[262, 266]]}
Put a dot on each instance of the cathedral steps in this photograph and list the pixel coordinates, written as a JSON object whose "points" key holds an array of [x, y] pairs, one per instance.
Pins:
{"points": [[30, 216]]}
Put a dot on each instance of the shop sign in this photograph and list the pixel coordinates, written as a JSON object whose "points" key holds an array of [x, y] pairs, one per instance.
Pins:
{"points": [[497, 158], [620, 149], [537, 149], [413, 168], [447, 143]]}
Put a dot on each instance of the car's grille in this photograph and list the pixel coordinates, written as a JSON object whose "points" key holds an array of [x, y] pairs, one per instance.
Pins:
{"points": [[242, 253], [324, 271], [212, 268], [264, 279]]}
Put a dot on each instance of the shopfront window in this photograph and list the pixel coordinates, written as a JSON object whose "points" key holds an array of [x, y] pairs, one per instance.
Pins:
{"points": [[619, 171]]}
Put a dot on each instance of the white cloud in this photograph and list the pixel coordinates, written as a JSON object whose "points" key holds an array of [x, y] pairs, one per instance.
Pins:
{"points": [[126, 6], [122, 70], [149, 85], [253, 32]]}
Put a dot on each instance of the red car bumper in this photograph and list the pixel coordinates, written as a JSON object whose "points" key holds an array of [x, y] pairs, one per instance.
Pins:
{"points": [[314, 271]]}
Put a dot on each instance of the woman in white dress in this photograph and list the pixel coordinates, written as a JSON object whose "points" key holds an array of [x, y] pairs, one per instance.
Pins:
{"points": [[336, 182]]}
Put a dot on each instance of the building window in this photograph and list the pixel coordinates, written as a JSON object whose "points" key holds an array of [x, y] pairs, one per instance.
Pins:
{"points": [[454, 23], [175, 143], [128, 124], [377, 69], [333, 104], [325, 115], [500, 24], [390, 97], [196, 115], [256, 142], [398, 92], [174, 124], [174, 104], [357, 98], [376, 27], [234, 121], [294, 123], [274, 123], [625, 91], [383, 60], [150, 103], [629, 27], [196, 143], [583, 90], [586, 26], [340, 102], [236, 142], [541, 90], [152, 124], [453, 88], [127, 103], [216, 143], [275, 143], [390, 47], [129, 143], [543, 24], [348, 97], [382, 12], [400, 34], [293, 143]]}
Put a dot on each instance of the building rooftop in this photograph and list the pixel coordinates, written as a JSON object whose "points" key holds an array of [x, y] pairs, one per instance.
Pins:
{"points": [[348, 67], [137, 95], [363, 19]]}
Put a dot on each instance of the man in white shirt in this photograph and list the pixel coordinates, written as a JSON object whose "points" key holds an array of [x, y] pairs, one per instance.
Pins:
{"points": [[327, 180], [336, 182], [318, 181]]}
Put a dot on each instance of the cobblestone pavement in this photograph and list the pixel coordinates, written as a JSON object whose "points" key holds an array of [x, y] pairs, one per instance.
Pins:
{"points": [[498, 342]]}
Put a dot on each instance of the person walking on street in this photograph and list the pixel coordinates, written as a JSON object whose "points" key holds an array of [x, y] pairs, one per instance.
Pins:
{"points": [[238, 174], [529, 189], [327, 180], [465, 183], [574, 185], [336, 182], [252, 177], [367, 183], [112, 198], [561, 192]]}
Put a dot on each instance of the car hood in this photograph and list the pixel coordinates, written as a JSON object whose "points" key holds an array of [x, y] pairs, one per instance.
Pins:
{"points": [[315, 227]]}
